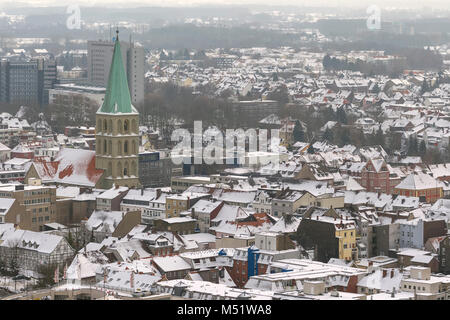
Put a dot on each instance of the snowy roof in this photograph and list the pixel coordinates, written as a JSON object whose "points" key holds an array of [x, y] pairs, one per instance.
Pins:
{"points": [[112, 193], [340, 262], [143, 266], [84, 265], [17, 162], [234, 196], [105, 221], [204, 290], [67, 192], [5, 205], [426, 259], [6, 228], [205, 206], [71, 166], [389, 296], [417, 181], [316, 188], [230, 213], [353, 185], [200, 237], [203, 254], [4, 148], [141, 194], [412, 252], [383, 281], [286, 227], [35, 241], [227, 280], [125, 249], [440, 170], [121, 280], [174, 263], [178, 220], [55, 226], [21, 148], [367, 198], [91, 246]]}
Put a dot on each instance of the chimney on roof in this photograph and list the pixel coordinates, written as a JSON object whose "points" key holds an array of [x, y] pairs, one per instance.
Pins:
{"points": [[142, 191], [393, 293], [370, 267], [317, 217], [384, 273], [158, 193], [392, 273]]}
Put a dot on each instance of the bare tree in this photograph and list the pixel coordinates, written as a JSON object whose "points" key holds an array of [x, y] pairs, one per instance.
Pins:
{"points": [[12, 263]]}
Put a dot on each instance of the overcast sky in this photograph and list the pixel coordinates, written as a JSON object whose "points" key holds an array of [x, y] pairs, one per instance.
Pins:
{"points": [[437, 4]]}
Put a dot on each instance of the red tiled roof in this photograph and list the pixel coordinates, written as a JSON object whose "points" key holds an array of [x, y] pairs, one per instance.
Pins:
{"points": [[71, 166]]}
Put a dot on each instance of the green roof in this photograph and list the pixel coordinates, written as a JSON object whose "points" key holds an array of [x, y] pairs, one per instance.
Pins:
{"points": [[117, 97]]}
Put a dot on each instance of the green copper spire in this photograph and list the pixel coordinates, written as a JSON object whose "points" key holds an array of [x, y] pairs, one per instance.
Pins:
{"points": [[117, 97]]}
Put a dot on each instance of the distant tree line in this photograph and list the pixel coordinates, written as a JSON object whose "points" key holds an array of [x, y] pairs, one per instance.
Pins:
{"points": [[191, 36], [416, 58], [334, 64], [183, 54]]}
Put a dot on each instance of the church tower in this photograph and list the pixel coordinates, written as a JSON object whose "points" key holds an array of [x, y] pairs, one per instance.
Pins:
{"points": [[117, 129]]}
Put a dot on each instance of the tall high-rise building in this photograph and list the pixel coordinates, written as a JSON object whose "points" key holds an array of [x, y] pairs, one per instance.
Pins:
{"points": [[117, 128], [19, 82], [47, 78], [136, 72], [4, 81], [99, 62], [27, 81]]}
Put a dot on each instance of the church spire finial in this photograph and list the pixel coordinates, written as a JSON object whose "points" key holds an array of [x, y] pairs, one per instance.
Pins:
{"points": [[117, 34]]}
